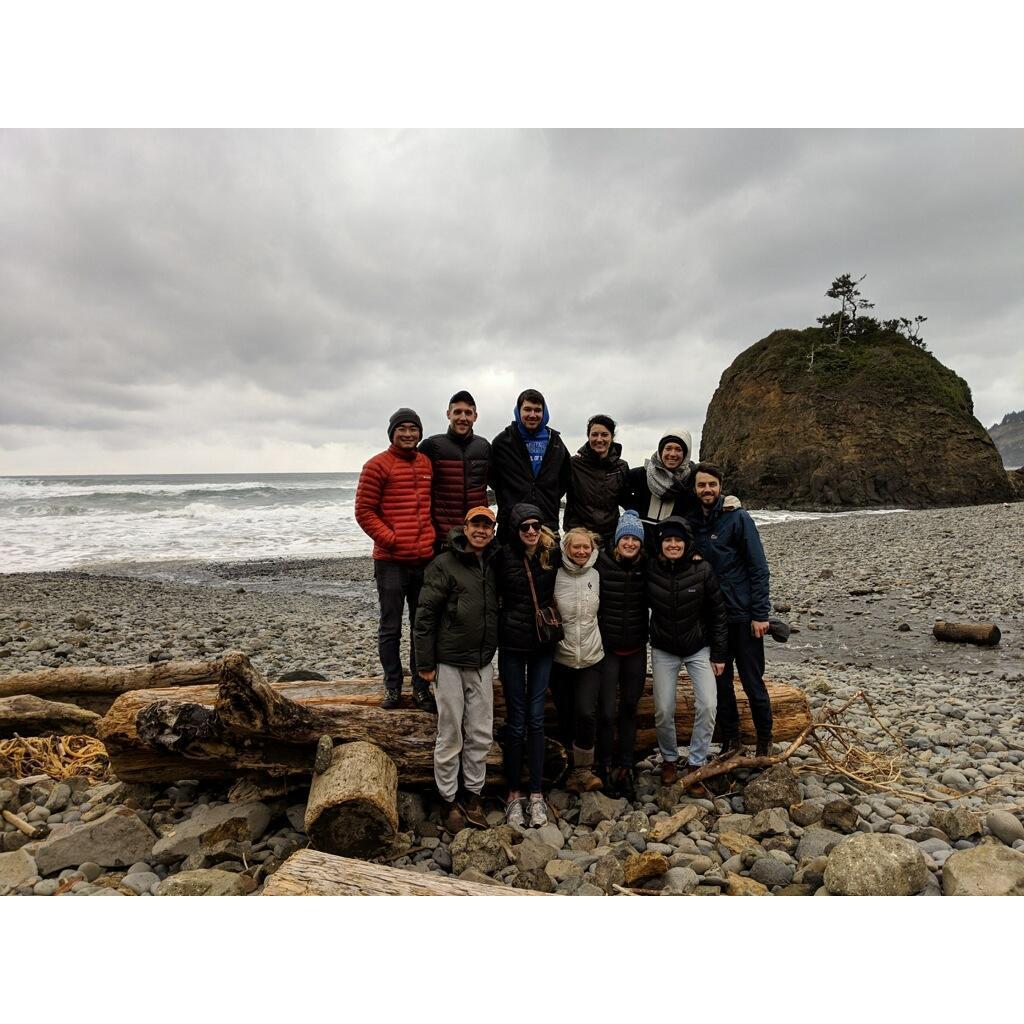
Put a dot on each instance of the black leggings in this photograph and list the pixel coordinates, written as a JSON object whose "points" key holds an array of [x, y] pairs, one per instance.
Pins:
{"points": [[575, 692], [623, 677]]}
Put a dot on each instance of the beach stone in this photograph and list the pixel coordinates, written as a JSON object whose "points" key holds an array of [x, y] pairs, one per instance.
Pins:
{"points": [[955, 779], [116, 839], [410, 809], [769, 871], [532, 853], [442, 858], [139, 881], [59, 798], [46, 887], [17, 868], [680, 880], [550, 834], [211, 825], [534, 879], [561, 871], [816, 842], [205, 882], [1005, 826], [296, 815], [476, 875], [735, 842], [777, 787], [958, 823], [840, 815], [595, 807], [481, 849], [90, 870], [807, 812], [589, 889], [772, 821], [796, 889], [989, 869], [737, 885], [642, 866], [608, 872], [876, 865]]}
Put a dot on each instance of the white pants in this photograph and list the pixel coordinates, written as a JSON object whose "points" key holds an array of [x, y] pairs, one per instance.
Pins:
{"points": [[465, 720]]}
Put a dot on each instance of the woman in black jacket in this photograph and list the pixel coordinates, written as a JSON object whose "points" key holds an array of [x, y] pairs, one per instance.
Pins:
{"points": [[598, 481], [524, 663], [688, 627], [622, 618], [663, 486]]}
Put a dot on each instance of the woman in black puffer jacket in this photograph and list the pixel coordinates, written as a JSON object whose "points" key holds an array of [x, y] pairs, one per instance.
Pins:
{"points": [[599, 481], [524, 663], [622, 618], [688, 627]]}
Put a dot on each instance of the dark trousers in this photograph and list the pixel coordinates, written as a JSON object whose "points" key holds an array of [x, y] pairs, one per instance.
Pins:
{"points": [[747, 652], [575, 692], [397, 585], [623, 677], [524, 678]]}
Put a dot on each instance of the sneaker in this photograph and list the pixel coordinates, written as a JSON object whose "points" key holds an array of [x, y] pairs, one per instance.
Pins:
{"points": [[538, 812], [764, 749], [424, 699], [451, 817], [514, 813], [668, 773], [582, 780], [473, 809], [392, 699]]}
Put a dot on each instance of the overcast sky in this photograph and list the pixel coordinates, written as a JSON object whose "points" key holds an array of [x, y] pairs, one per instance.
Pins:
{"points": [[261, 301]]}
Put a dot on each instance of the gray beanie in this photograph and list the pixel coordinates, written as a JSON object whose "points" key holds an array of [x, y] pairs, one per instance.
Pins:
{"points": [[403, 416], [629, 526]]}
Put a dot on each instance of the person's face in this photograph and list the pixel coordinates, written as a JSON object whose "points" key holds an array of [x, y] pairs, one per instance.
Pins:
{"points": [[600, 439], [628, 547], [479, 531], [580, 549], [672, 455], [407, 435], [673, 548], [531, 413], [708, 489], [529, 533], [461, 417]]}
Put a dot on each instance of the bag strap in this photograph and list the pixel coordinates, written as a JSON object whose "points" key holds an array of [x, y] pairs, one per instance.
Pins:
{"points": [[533, 589]]}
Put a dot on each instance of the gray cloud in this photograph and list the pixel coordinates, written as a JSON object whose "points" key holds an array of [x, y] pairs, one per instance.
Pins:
{"points": [[267, 295]]}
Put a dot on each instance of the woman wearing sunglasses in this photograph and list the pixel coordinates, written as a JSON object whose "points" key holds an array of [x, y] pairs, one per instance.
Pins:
{"points": [[527, 565]]}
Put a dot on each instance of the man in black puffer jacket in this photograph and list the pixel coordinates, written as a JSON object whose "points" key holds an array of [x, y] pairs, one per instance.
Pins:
{"points": [[456, 637], [461, 463], [529, 463], [688, 627]]}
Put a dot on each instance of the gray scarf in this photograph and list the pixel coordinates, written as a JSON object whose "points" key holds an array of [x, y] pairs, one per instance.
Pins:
{"points": [[661, 480]]}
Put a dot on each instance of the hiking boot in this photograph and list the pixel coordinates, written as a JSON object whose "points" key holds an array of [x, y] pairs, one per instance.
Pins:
{"points": [[538, 812], [424, 699], [514, 813], [452, 818], [764, 749], [582, 780], [731, 747], [392, 699], [624, 784], [473, 809], [668, 773]]}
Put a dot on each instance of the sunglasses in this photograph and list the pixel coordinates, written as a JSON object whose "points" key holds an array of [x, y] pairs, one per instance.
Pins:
{"points": [[530, 528]]}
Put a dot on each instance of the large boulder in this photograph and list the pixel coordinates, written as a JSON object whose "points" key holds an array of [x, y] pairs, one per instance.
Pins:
{"points": [[116, 840], [486, 850], [595, 807], [16, 869], [821, 434], [988, 870], [777, 787], [209, 882], [209, 826], [876, 864]]}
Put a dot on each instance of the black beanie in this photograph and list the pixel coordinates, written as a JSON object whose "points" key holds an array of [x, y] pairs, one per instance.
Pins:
{"points": [[403, 416], [675, 526], [678, 440]]}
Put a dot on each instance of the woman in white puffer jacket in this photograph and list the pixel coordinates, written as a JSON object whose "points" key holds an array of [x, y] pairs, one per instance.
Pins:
{"points": [[576, 674]]}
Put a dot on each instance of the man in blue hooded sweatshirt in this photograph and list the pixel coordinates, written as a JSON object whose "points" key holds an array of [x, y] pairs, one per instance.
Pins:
{"points": [[529, 463]]}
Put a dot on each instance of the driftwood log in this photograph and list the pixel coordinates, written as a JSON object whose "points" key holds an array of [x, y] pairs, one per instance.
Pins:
{"points": [[28, 715], [311, 873], [353, 804], [984, 634]]}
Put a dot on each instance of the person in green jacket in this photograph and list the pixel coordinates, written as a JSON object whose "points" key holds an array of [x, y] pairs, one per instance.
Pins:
{"points": [[456, 636]]}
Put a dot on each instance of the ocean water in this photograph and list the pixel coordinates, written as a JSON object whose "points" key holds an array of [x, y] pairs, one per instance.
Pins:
{"points": [[68, 522]]}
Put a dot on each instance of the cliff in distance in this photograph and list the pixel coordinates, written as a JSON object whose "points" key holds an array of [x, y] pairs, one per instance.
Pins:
{"points": [[1008, 437], [800, 422]]}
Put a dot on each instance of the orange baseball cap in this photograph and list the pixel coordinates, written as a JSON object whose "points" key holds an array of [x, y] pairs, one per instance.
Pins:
{"points": [[481, 510]]}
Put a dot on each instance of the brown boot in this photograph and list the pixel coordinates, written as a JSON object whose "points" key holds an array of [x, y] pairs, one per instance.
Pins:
{"points": [[764, 748], [473, 809], [452, 818], [731, 747], [668, 773], [581, 778]]}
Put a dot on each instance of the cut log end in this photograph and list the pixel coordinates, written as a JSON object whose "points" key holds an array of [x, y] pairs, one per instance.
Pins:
{"points": [[357, 828], [984, 634]]}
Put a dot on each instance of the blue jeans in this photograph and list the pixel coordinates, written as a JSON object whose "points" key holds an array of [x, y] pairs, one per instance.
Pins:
{"points": [[524, 678], [665, 669]]}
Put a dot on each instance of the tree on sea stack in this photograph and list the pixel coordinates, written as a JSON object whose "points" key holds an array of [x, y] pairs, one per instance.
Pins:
{"points": [[854, 413]]}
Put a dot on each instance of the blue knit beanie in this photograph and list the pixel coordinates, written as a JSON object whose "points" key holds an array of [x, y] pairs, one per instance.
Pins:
{"points": [[629, 526]]}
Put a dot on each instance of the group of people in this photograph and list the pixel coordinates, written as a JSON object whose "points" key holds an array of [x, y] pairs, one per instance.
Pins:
{"points": [[655, 554]]}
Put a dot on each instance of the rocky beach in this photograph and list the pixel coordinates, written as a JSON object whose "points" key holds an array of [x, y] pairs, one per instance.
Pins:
{"points": [[862, 593]]}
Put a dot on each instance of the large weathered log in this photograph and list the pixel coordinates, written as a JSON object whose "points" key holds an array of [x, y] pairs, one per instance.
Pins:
{"points": [[984, 634], [353, 806], [311, 873], [28, 715]]}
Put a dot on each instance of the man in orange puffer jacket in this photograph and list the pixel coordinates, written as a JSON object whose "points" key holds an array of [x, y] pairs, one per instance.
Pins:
{"points": [[393, 508]]}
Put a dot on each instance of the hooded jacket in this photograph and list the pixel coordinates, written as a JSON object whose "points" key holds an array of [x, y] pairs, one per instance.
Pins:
{"points": [[393, 505], [687, 610], [460, 477], [679, 500], [596, 489], [513, 479], [457, 614], [729, 540], [517, 627], [577, 594], [623, 614]]}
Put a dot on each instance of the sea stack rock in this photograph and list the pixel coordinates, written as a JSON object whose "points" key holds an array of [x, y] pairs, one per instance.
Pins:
{"points": [[802, 423]]}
